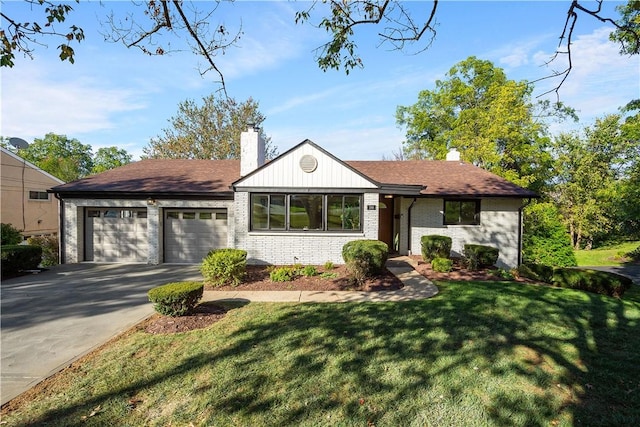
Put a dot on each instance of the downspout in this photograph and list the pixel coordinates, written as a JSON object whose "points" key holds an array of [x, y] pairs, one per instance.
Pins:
{"points": [[520, 229], [409, 225], [61, 240]]}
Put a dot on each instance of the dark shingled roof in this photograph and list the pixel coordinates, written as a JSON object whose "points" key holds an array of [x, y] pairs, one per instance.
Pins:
{"points": [[160, 176], [442, 178], [214, 177]]}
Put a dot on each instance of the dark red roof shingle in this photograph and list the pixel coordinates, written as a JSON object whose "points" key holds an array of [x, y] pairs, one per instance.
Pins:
{"points": [[182, 176]]}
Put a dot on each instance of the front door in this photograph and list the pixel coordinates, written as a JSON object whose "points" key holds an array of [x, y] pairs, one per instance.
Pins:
{"points": [[385, 221]]}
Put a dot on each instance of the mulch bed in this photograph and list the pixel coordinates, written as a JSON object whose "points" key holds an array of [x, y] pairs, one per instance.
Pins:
{"points": [[257, 279], [202, 316]]}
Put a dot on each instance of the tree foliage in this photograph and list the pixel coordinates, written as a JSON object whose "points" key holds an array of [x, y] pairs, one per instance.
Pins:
{"points": [[64, 158], [151, 26], [109, 158], [627, 32], [545, 240], [490, 119], [208, 131], [69, 159], [594, 171], [19, 37]]}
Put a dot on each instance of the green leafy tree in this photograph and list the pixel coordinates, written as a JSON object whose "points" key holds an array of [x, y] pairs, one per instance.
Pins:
{"points": [[627, 32], [628, 208], [208, 131], [64, 158], [109, 158], [591, 169], [490, 119], [21, 36], [545, 240]]}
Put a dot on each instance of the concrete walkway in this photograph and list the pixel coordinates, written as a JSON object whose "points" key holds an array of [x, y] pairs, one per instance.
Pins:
{"points": [[416, 286]]}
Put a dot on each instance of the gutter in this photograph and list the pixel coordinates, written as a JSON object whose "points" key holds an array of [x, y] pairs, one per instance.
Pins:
{"points": [[61, 240], [409, 225], [520, 229]]}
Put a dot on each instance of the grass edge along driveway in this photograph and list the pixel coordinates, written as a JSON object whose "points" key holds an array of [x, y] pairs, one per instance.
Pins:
{"points": [[489, 353]]}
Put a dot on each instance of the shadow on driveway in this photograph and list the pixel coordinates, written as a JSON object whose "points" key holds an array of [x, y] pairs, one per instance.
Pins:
{"points": [[52, 318]]}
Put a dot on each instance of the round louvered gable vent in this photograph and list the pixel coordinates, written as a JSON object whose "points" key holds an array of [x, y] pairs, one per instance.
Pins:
{"points": [[308, 163]]}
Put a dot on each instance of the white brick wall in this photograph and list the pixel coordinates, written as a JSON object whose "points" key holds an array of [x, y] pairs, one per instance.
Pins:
{"points": [[304, 247], [499, 226], [74, 222]]}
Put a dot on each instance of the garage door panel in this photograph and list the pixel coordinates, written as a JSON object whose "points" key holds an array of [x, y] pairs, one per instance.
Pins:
{"points": [[116, 235], [191, 234]]}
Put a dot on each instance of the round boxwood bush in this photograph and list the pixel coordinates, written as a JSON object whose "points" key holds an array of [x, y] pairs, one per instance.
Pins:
{"points": [[434, 246], [442, 265], [176, 299], [224, 266], [365, 258]]}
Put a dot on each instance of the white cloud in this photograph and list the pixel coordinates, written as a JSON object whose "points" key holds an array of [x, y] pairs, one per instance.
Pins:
{"points": [[35, 103], [268, 39]]}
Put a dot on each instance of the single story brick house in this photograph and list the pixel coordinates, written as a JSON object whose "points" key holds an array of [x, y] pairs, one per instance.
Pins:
{"points": [[300, 207]]}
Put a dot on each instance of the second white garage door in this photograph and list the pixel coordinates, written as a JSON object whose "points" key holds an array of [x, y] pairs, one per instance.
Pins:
{"points": [[190, 234]]}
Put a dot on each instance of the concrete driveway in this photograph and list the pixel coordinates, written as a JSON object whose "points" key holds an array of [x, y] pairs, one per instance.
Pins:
{"points": [[52, 318]]}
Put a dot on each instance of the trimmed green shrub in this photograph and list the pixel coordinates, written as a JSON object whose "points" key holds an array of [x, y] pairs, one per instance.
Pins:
{"points": [[49, 245], [365, 258], [540, 272], [599, 282], [9, 235], [224, 266], [176, 299], [545, 239], [435, 246], [16, 258], [308, 271], [479, 256], [328, 265], [283, 274], [442, 265], [506, 274]]}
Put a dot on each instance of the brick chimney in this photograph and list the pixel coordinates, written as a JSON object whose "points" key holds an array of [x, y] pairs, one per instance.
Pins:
{"points": [[251, 150]]}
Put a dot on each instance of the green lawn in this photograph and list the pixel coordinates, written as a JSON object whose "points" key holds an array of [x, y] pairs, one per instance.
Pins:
{"points": [[608, 255], [477, 354]]}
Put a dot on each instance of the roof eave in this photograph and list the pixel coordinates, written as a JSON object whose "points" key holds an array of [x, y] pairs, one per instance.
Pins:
{"points": [[209, 195]]}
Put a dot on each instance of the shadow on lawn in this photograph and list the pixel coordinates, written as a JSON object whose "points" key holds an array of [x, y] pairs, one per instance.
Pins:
{"points": [[564, 351]]}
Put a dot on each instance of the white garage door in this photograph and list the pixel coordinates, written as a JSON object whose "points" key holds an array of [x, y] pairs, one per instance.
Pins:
{"points": [[190, 234], [116, 235]]}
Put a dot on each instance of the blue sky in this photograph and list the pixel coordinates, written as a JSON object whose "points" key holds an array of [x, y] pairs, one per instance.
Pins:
{"points": [[117, 96]]}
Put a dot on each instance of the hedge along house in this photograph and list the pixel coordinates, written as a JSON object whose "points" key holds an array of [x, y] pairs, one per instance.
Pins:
{"points": [[300, 207]]}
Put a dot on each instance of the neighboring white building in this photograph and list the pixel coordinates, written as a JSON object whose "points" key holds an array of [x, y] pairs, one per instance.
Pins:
{"points": [[301, 207]]}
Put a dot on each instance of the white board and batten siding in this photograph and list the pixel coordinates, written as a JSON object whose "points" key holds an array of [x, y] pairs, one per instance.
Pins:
{"points": [[286, 172]]}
